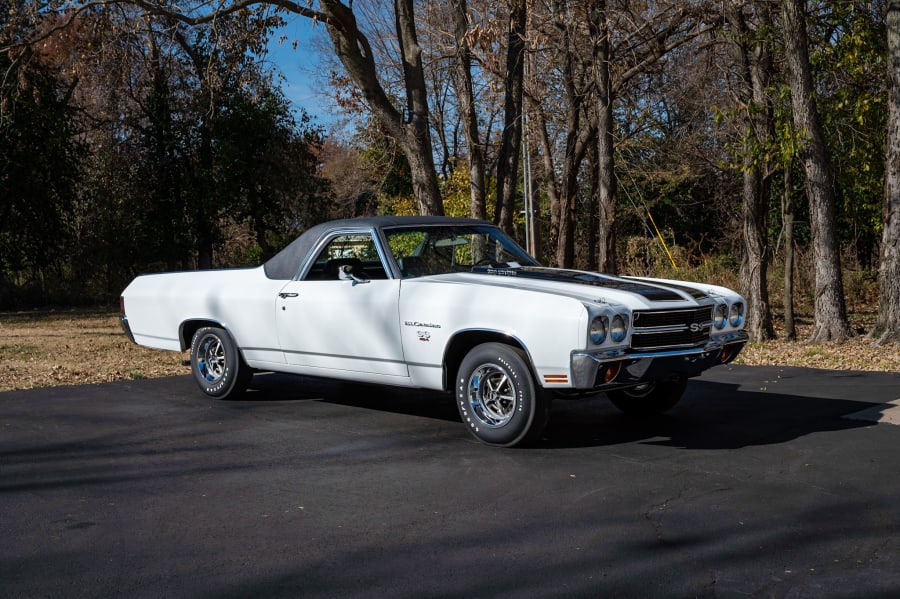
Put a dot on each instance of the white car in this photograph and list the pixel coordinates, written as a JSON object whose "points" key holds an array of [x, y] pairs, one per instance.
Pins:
{"points": [[440, 303]]}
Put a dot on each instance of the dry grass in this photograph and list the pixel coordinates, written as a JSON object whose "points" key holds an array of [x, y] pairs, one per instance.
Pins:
{"points": [[859, 353], [73, 348], [70, 348]]}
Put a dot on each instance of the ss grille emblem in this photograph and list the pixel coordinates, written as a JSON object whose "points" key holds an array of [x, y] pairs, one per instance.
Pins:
{"points": [[696, 327]]}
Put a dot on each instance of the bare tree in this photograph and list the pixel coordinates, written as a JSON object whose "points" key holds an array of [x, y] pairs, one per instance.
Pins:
{"points": [[887, 327], [604, 174], [643, 35], [465, 96], [412, 131], [511, 138], [576, 133], [830, 310]]}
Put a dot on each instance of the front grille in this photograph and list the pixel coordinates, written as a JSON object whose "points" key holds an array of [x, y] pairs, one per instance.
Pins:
{"points": [[662, 329]]}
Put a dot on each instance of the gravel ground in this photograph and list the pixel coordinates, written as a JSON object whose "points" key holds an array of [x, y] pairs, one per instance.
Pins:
{"points": [[74, 348]]}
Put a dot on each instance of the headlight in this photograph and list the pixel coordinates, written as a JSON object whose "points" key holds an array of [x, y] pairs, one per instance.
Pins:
{"points": [[618, 328], [599, 328], [719, 316], [736, 314]]}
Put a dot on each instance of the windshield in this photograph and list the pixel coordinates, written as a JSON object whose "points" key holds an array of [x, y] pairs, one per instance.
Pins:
{"points": [[432, 250]]}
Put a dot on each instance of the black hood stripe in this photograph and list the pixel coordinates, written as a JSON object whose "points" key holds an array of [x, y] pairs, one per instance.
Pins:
{"points": [[694, 293], [652, 291]]}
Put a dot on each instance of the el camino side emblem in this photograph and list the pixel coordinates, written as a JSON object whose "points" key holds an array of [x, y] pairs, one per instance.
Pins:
{"points": [[415, 323], [424, 335]]}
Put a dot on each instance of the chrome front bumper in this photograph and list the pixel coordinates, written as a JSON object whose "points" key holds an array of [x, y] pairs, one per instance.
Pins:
{"points": [[611, 369]]}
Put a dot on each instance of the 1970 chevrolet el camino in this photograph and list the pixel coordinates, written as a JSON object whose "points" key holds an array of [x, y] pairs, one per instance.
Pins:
{"points": [[440, 303]]}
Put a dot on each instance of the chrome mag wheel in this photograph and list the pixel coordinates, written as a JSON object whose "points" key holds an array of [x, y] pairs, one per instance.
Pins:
{"points": [[492, 395], [211, 358]]}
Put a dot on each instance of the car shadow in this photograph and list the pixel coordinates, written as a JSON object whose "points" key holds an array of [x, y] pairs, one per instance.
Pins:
{"points": [[712, 415], [398, 400]]}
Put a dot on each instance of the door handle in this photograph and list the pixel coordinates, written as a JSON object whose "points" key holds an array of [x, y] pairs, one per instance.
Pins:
{"points": [[284, 295]]}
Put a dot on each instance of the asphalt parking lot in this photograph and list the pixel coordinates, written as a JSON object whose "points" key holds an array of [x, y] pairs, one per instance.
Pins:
{"points": [[763, 482]]}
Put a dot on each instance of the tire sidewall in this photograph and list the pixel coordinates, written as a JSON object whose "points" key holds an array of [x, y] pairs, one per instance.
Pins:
{"points": [[225, 386], [514, 365]]}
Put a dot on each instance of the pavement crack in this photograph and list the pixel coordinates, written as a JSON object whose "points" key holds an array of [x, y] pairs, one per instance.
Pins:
{"points": [[653, 513]]}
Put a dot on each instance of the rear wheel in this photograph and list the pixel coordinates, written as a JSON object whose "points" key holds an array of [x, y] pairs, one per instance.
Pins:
{"points": [[497, 398], [217, 365], [649, 399]]}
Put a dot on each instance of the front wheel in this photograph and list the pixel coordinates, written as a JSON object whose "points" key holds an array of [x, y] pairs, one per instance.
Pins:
{"points": [[649, 399], [217, 365], [497, 398]]}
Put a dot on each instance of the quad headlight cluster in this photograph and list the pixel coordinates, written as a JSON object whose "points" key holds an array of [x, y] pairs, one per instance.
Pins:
{"points": [[602, 327], [732, 315]]}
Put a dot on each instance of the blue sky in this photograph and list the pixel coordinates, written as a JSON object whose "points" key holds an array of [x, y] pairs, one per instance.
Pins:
{"points": [[301, 67]]}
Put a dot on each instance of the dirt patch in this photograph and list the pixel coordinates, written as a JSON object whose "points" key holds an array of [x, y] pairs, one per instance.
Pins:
{"points": [[74, 348]]}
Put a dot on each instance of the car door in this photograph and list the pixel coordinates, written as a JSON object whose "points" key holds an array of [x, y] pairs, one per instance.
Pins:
{"points": [[343, 315]]}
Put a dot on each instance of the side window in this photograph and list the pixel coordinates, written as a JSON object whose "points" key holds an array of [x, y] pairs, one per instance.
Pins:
{"points": [[405, 243], [356, 250]]}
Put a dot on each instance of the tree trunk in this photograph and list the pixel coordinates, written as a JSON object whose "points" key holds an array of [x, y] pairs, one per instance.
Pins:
{"points": [[537, 216], [511, 140], [754, 57], [887, 326], [466, 99], [606, 198], [412, 131], [565, 250], [787, 212], [754, 264], [417, 134], [593, 208], [830, 310], [578, 137], [548, 177]]}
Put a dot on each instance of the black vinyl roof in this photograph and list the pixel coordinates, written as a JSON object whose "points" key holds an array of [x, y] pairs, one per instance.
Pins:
{"points": [[285, 264]]}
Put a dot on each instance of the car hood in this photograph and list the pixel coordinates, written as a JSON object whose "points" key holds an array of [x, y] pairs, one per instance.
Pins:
{"points": [[591, 287]]}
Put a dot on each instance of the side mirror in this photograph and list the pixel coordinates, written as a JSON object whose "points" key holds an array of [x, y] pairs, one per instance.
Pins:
{"points": [[345, 273]]}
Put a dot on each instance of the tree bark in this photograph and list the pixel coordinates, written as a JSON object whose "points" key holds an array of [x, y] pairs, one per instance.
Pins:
{"points": [[787, 216], [411, 131], [511, 139], [593, 211], [416, 142], [605, 167], [830, 310], [887, 326], [466, 99], [755, 61], [578, 138], [548, 176]]}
